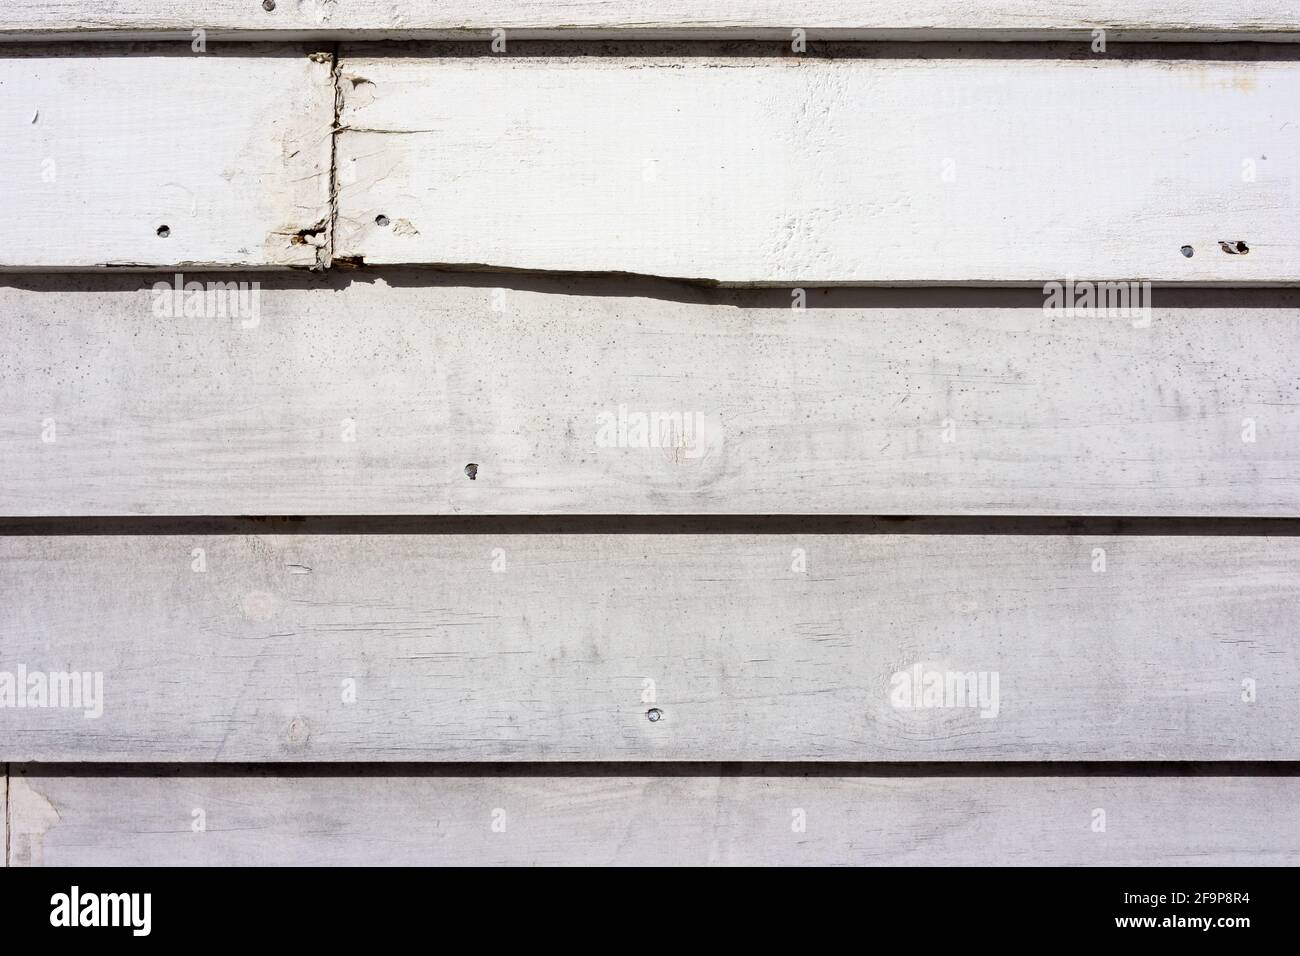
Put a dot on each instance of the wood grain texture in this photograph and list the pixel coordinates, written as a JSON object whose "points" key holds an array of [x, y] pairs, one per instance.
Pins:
{"points": [[231, 153], [842, 408], [865, 19], [698, 819], [764, 170], [561, 653]]}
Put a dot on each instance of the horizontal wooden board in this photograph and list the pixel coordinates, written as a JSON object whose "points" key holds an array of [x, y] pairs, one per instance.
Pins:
{"points": [[563, 395], [763, 819], [763, 170], [105, 151], [557, 647], [1025, 19]]}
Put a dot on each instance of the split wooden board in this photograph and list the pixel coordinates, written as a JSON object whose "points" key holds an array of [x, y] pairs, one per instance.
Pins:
{"points": [[959, 169]]}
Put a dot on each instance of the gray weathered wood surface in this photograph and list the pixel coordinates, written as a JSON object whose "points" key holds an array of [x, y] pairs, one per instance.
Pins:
{"points": [[407, 818], [422, 697], [562, 652], [867, 402]]}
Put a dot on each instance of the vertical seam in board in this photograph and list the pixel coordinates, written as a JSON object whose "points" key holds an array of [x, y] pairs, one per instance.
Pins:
{"points": [[327, 254]]}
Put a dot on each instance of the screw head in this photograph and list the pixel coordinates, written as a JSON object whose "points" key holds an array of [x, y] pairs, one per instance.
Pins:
{"points": [[654, 714]]}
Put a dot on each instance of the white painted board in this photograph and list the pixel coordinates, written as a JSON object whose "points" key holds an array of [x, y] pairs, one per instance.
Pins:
{"points": [[163, 157], [541, 647], [897, 169]]}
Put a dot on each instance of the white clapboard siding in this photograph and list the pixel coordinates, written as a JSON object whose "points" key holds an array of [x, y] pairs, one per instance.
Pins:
{"points": [[866, 402], [556, 647], [697, 818], [766, 170], [231, 153], [863, 19]]}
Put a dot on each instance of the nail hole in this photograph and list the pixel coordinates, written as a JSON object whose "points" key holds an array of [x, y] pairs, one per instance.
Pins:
{"points": [[381, 220], [268, 5], [164, 232], [471, 471], [654, 714], [1187, 251]]}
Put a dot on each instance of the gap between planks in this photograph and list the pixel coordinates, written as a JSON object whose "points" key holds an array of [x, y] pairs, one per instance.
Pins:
{"points": [[703, 524]]}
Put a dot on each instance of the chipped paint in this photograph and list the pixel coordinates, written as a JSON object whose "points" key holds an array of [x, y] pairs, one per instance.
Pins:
{"points": [[31, 816]]}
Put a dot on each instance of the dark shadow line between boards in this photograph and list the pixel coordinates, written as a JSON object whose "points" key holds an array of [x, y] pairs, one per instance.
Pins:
{"points": [[631, 286], [1008, 45], [775, 769], [693, 524]]}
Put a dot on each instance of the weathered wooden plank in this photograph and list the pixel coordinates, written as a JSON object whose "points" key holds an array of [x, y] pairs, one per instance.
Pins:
{"points": [[372, 397], [773, 19], [557, 647], [861, 169], [413, 818], [157, 158]]}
